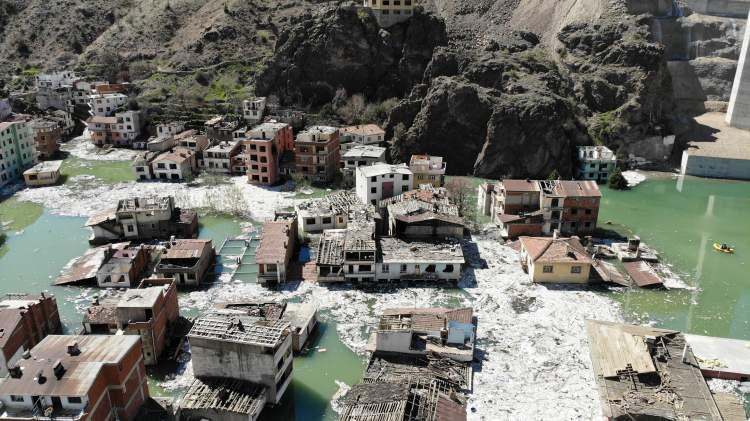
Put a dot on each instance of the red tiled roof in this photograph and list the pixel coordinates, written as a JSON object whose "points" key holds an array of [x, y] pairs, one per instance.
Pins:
{"points": [[578, 188], [364, 130]]}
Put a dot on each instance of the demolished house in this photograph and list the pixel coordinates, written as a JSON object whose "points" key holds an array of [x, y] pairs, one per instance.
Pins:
{"points": [[330, 212], [215, 398], [302, 317], [329, 259], [648, 373], [445, 332], [148, 311], [143, 218], [401, 260]]}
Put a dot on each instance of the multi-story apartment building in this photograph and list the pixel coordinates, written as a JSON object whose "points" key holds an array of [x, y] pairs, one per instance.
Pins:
{"points": [[262, 149], [24, 321], [531, 207], [391, 12], [220, 158], [595, 163], [381, 181], [428, 170], [77, 378], [317, 153], [170, 129], [47, 137], [147, 311], [572, 207], [121, 130], [17, 152], [106, 104], [275, 251], [220, 129], [253, 109], [231, 344], [176, 165]]}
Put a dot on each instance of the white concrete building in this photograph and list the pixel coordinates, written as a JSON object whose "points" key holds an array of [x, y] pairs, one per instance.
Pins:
{"points": [[595, 163], [361, 135], [17, 152], [56, 79], [381, 181], [391, 12], [738, 113], [170, 129], [428, 169], [44, 173], [176, 165], [253, 109], [418, 261], [231, 344], [218, 159], [359, 156], [106, 104]]}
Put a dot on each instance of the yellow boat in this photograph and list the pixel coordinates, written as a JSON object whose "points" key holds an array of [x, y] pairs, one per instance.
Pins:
{"points": [[725, 249]]}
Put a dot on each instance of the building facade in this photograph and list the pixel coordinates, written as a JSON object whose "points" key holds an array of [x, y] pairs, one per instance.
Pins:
{"points": [[254, 109], [105, 105], [428, 170], [82, 378], [381, 181], [218, 159], [25, 320], [276, 249], [555, 260], [230, 344], [262, 150], [43, 174], [317, 153], [121, 130], [360, 156], [17, 152], [595, 163], [187, 261], [391, 12], [47, 137], [176, 165]]}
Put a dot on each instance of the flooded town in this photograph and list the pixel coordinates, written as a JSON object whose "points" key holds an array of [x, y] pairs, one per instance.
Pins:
{"points": [[251, 258]]}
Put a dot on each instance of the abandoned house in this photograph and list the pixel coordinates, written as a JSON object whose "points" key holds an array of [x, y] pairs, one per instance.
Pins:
{"points": [[187, 261], [276, 249], [555, 260], [230, 344], [402, 260], [123, 267], [147, 311], [143, 218], [445, 332]]}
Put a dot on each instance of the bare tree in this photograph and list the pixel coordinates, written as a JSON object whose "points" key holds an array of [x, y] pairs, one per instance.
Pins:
{"points": [[459, 190], [353, 110]]}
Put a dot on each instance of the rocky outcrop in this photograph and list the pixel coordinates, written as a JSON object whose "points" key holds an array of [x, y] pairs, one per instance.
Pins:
{"points": [[519, 112], [345, 48]]}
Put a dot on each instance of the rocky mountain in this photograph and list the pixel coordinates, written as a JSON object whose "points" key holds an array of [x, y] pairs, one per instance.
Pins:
{"points": [[502, 87]]}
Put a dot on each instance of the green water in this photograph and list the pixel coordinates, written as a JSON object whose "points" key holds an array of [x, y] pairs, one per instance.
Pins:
{"points": [[106, 171], [682, 221]]}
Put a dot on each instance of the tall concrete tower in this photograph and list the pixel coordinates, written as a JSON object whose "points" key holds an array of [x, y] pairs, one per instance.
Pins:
{"points": [[738, 114]]}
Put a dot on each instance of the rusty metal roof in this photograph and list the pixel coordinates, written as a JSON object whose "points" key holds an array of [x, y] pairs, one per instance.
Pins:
{"points": [[520, 185], [186, 249]]}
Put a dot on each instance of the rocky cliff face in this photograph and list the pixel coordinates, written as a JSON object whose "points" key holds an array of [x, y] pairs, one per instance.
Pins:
{"points": [[346, 48], [518, 110]]}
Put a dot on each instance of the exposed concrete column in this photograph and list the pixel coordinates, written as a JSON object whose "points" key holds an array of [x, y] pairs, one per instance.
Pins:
{"points": [[738, 114]]}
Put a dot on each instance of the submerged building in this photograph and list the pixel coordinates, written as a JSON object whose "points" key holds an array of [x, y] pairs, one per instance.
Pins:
{"points": [[143, 218], [233, 345], [187, 261], [147, 312]]}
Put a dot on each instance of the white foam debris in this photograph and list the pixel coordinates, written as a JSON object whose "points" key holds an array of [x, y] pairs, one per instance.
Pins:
{"points": [[633, 178], [340, 392], [81, 147], [79, 197], [531, 338]]}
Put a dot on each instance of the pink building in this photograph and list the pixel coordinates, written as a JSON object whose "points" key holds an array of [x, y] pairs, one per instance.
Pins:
{"points": [[262, 149]]}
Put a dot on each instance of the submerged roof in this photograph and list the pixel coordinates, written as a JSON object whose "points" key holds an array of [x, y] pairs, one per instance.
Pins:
{"points": [[274, 242], [231, 326], [225, 395]]}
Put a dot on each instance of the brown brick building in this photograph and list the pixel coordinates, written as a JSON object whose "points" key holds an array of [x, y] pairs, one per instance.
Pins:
{"points": [[317, 153], [47, 137], [24, 321], [86, 378]]}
